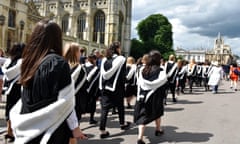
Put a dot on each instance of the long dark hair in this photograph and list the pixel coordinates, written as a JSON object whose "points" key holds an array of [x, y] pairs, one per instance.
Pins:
{"points": [[46, 37], [113, 49], [154, 59], [15, 52]]}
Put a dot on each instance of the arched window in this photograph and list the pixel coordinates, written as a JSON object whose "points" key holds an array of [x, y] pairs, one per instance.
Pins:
{"points": [[120, 27], [65, 23], [99, 27], [81, 25], [11, 18]]}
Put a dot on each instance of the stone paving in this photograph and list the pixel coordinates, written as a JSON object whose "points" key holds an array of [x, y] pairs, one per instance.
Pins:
{"points": [[199, 117]]}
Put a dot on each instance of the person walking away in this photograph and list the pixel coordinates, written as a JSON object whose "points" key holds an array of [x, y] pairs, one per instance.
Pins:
{"points": [[111, 84], [182, 74], [171, 71], [130, 85], [72, 53], [45, 113], [93, 74], [12, 89], [205, 71], [215, 75], [191, 73], [2, 61], [199, 75], [151, 91], [234, 76]]}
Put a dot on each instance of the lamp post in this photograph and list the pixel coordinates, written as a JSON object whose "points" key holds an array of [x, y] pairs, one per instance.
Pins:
{"points": [[21, 23], [2, 21]]}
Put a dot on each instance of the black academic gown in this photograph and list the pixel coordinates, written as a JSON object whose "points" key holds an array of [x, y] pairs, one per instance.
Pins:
{"points": [[113, 98], [15, 92], [81, 95], [131, 88], [52, 75], [92, 89], [149, 110]]}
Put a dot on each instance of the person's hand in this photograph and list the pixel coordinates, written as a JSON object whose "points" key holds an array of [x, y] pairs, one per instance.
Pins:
{"points": [[77, 133]]}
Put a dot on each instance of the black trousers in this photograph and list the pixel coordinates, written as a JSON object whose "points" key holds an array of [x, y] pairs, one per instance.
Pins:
{"points": [[191, 79], [172, 88], [108, 101]]}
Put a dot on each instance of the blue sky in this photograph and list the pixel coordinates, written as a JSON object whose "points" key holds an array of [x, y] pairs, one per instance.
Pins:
{"points": [[196, 23]]}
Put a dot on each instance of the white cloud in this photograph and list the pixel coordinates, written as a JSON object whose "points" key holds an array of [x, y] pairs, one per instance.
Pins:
{"points": [[195, 23]]}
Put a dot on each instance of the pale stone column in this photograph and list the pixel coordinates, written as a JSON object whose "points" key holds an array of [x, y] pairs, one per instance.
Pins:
{"points": [[127, 39], [112, 18], [89, 22], [69, 31]]}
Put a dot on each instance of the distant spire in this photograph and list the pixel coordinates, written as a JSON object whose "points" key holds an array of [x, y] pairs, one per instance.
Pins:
{"points": [[219, 35]]}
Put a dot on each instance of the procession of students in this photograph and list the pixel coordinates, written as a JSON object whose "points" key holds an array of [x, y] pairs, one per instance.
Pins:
{"points": [[49, 87]]}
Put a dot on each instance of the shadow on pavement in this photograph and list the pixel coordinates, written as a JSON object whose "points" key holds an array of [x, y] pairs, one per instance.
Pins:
{"points": [[189, 102], [172, 136], [170, 109], [229, 92], [101, 141]]}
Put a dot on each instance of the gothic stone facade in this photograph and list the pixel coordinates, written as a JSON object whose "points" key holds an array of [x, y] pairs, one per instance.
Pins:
{"points": [[17, 21], [221, 52], [92, 23]]}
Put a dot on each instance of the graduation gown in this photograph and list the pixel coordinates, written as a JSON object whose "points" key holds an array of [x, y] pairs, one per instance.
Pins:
{"points": [[93, 74], [79, 76], [52, 76], [12, 89], [131, 80], [112, 81], [151, 91]]}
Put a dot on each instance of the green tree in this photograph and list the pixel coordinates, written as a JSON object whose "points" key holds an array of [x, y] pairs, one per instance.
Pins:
{"points": [[137, 48], [155, 32]]}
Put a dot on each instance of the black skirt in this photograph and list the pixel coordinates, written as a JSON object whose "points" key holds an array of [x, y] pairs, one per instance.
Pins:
{"points": [[146, 112], [131, 90]]}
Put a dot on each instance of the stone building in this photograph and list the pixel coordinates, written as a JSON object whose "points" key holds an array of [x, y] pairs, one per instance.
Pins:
{"points": [[94, 24], [221, 52], [17, 19], [197, 55]]}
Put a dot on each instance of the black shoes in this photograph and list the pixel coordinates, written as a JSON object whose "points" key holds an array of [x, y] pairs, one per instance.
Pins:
{"points": [[159, 132], [93, 122], [11, 138], [174, 100], [129, 107], [126, 126], [114, 111], [140, 141], [104, 135]]}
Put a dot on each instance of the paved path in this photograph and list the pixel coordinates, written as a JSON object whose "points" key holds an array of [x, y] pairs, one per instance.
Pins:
{"points": [[200, 117]]}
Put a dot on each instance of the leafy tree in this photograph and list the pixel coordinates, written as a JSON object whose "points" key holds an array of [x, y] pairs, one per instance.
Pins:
{"points": [[137, 48], [155, 32]]}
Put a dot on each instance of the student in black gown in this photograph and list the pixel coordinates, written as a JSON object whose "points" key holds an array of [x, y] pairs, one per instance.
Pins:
{"points": [[171, 70], [111, 84], [12, 89], [130, 85], [93, 74], [72, 54], [149, 104], [45, 113]]}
